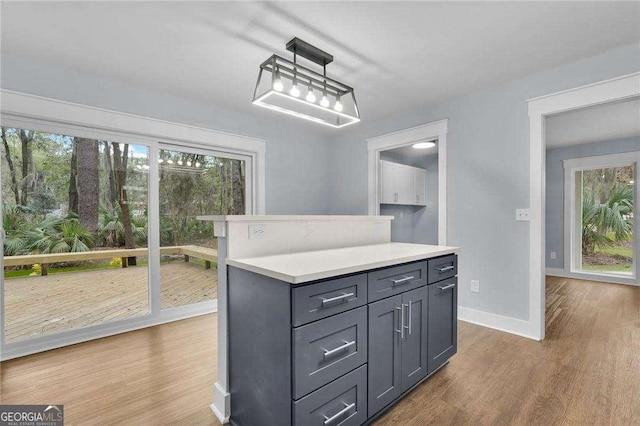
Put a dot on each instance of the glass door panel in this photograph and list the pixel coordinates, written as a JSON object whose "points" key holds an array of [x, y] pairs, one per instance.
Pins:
{"points": [[75, 218], [605, 232], [194, 184]]}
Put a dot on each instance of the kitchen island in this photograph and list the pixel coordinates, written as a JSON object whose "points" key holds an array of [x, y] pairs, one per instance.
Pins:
{"points": [[335, 329]]}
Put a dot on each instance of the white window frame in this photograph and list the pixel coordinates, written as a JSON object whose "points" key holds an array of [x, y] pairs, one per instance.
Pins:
{"points": [[436, 130], [615, 89], [32, 112], [572, 253]]}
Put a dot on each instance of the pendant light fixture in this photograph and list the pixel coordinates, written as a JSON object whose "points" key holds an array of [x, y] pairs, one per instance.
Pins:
{"points": [[280, 82]]}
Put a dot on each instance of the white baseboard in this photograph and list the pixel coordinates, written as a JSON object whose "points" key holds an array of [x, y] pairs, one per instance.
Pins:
{"points": [[558, 272], [498, 322], [221, 405]]}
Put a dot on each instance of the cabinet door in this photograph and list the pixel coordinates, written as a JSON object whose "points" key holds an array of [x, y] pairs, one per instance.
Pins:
{"points": [[415, 307], [443, 325], [405, 184], [420, 178], [384, 369], [387, 187]]}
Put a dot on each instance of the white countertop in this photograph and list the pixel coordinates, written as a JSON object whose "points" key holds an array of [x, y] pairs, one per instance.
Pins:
{"points": [[297, 268], [289, 218]]}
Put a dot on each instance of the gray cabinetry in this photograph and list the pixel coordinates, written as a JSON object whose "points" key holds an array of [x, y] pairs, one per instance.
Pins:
{"points": [[415, 344], [385, 363], [337, 352]]}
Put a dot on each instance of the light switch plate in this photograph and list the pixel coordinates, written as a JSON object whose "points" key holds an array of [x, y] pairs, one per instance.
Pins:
{"points": [[475, 286], [379, 227], [523, 215], [257, 232], [552, 255]]}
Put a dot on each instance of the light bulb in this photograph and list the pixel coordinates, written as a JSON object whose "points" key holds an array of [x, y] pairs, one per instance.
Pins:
{"points": [[311, 97], [160, 161], [277, 85], [170, 161], [197, 164], [189, 163], [179, 162], [338, 105], [295, 92], [325, 101]]}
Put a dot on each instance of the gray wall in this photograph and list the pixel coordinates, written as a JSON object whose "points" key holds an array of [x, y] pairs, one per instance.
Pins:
{"points": [[487, 170], [554, 214], [412, 224], [296, 161]]}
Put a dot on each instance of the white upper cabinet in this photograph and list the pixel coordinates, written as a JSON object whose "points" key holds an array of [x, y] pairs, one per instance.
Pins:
{"points": [[401, 184]]}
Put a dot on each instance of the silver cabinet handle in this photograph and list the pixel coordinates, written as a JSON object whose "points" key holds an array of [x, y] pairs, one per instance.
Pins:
{"points": [[409, 316], [446, 268], [339, 414], [402, 280], [341, 298], [447, 287], [408, 327], [347, 345], [401, 330]]}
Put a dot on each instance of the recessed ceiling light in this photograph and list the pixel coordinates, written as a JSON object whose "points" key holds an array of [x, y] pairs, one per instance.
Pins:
{"points": [[424, 145]]}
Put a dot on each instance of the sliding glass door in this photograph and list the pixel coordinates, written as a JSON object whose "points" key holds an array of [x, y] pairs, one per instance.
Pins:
{"points": [[74, 216], [98, 239], [603, 213], [195, 183]]}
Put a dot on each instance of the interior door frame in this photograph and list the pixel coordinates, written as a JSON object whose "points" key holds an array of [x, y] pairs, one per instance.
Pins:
{"points": [[54, 116], [615, 89], [435, 130]]}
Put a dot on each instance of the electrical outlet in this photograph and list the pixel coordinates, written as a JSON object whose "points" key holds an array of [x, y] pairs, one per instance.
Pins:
{"points": [[257, 232], [475, 286], [552, 255], [523, 215]]}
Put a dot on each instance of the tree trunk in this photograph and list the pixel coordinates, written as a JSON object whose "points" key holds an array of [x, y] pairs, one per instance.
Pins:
{"points": [[88, 182], [73, 179], [120, 177], [238, 187], [113, 193], [12, 168], [28, 166]]}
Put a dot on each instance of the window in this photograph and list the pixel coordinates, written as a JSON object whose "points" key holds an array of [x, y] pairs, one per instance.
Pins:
{"points": [[71, 274]]}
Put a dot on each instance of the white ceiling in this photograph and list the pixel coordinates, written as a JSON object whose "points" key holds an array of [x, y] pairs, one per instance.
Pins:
{"points": [[397, 55], [411, 153], [604, 122]]}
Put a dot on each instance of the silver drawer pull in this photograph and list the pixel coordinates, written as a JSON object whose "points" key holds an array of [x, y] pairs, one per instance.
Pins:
{"points": [[341, 298], [402, 280], [329, 353], [402, 326], [339, 414], [447, 287], [445, 269]]}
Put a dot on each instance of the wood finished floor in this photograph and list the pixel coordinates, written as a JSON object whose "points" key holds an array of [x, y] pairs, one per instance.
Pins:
{"points": [[586, 372], [53, 303]]}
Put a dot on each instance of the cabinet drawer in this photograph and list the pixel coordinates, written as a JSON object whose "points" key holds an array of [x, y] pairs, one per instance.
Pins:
{"points": [[327, 349], [320, 300], [443, 267], [395, 280], [343, 402]]}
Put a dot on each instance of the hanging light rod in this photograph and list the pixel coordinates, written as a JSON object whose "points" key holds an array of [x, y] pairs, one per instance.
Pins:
{"points": [[322, 99]]}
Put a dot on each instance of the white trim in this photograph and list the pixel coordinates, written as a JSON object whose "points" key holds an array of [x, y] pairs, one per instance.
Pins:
{"points": [[572, 215], [221, 400], [497, 322], [601, 92], [559, 272], [51, 115], [436, 130]]}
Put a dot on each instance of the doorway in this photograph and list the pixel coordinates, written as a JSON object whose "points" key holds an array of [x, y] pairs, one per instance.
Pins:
{"points": [[614, 90]]}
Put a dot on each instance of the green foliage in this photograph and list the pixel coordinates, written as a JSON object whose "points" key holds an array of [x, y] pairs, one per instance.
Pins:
{"points": [[54, 235], [605, 223], [111, 228]]}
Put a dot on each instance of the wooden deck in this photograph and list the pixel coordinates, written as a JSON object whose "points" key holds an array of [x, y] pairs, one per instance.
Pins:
{"points": [[49, 304]]}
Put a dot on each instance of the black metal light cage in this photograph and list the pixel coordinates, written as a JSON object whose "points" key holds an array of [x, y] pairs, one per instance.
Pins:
{"points": [[292, 72]]}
